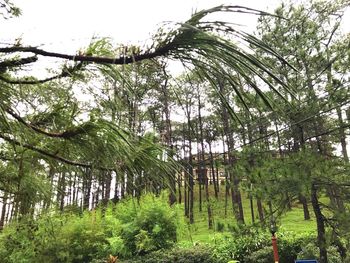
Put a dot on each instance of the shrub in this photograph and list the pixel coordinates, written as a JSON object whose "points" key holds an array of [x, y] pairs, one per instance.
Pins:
{"points": [[124, 230], [16, 242], [311, 251], [196, 254], [253, 244], [148, 226], [289, 245], [220, 227], [264, 255]]}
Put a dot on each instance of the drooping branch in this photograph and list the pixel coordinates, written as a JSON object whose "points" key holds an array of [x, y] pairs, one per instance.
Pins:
{"points": [[16, 62], [64, 135], [66, 72], [52, 155]]}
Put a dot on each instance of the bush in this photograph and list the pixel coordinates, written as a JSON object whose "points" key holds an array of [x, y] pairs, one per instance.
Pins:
{"points": [[196, 254], [148, 226], [253, 244], [220, 227], [57, 237], [16, 243], [126, 229], [311, 251], [264, 255]]}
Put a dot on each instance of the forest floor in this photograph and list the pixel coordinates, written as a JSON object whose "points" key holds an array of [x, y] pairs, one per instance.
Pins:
{"points": [[291, 221]]}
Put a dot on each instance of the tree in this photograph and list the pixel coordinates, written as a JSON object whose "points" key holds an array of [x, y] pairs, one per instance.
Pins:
{"points": [[311, 30]]}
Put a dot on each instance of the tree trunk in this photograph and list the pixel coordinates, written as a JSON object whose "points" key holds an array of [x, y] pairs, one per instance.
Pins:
{"points": [[237, 206], [87, 183], [203, 169], [168, 135], [251, 204], [321, 233], [191, 175], [227, 189], [260, 209], [107, 190], [213, 175], [62, 190], [342, 136], [200, 179], [179, 182], [303, 201], [3, 211]]}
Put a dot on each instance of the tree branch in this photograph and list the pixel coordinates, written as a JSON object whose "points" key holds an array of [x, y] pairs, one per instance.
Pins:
{"points": [[92, 59], [66, 72], [52, 155], [64, 135], [17, 62]]}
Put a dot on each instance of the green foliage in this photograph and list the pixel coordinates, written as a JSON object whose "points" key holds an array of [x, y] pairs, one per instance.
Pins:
{"points": [[196, 254], [149, 226], [253, 244], [128, 228], [220, 227], [16, 243], [311, 251], [241, 244], [263, 255]]}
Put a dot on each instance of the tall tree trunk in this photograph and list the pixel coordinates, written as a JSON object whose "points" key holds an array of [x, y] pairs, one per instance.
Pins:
{"points": [[251, 202], [168, 134], [215, 183], [200, 178], [321, 233], [87, 183], [186, 170], [117, 183], [51, 175], [107, 193], [303, 201], [191, 175], [234, 180], [62, 189], [260, 209], [74, 194], [191, 185], [203, 169], [179, 182], [299, 142], [3, 211], [251, 166], [227, 189], [342, 136]]}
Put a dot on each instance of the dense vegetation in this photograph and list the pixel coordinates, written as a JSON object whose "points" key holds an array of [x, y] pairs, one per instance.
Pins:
{"points": [[111, 156]]}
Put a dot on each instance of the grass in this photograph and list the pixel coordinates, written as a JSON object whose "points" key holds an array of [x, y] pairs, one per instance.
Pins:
{"points": [[292, 221]]}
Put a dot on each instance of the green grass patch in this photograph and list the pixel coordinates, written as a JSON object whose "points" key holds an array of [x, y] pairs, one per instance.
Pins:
{"points": [[291, 221]]}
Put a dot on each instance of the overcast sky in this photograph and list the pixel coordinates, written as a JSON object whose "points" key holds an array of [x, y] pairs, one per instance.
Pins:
{"points": [[67, 25], [70, 24]]}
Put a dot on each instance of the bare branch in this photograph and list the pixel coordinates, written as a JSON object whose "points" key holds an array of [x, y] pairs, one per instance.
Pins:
{"points": [[92, 59]]}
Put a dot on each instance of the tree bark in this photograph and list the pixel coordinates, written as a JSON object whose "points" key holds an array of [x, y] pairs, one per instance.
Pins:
{"points": [[215, 183], [3, 211], [321, 233], [234, 180], [303, 201], [203, 168], [342, 136]]}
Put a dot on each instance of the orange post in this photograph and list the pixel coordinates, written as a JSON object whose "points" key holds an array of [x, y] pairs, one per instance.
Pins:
{"points": [[275, 250]]}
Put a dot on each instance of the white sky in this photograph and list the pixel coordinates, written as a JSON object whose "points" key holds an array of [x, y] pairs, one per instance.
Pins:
{"points": [[70, 24]]}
